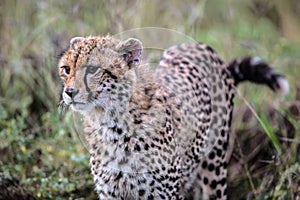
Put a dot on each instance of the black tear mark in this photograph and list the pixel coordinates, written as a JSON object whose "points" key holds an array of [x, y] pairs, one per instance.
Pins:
{"points": [[86, 85]]}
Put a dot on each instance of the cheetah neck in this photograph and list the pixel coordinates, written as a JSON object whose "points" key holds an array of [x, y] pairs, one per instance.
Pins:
{"points": [[122, 119], [118, 134]]}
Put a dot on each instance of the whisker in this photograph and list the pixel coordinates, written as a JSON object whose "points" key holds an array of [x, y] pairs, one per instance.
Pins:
{"points": [[92, 100], [62, 107]]}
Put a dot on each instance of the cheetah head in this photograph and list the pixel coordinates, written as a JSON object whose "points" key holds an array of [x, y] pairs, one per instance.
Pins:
{"points": [[98, 72]]}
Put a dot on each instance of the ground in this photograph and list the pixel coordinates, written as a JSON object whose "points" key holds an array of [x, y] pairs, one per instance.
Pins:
{"points": [[41, 157]]}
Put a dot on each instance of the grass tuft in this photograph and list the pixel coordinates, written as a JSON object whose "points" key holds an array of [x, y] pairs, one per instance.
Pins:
{"points": [[41, 157]]}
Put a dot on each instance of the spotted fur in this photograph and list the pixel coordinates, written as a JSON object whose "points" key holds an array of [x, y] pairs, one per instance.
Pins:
{"points": [[155, 135]]}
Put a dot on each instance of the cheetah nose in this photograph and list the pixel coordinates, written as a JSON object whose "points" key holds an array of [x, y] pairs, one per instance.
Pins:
{"points": [[71, 92]]}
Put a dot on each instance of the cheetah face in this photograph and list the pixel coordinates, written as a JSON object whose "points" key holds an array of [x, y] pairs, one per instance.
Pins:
{"points": [[98, 71]]}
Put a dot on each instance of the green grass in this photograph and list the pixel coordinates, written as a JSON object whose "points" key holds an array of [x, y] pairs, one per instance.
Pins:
{"points": [[41, 157]]}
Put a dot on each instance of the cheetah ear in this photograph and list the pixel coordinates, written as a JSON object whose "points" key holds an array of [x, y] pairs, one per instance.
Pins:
{"points": [[75, 40], [132, 50]]}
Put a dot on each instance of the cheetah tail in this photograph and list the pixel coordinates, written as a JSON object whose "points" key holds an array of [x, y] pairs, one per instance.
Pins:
{"points": [[253, 69]]}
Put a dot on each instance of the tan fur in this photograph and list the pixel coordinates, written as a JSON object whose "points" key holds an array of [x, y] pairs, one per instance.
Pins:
{"points": [[151, 135]]}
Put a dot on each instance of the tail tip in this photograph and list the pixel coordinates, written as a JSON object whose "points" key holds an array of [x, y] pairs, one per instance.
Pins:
{"points": [[255, 60], [283, 84]]}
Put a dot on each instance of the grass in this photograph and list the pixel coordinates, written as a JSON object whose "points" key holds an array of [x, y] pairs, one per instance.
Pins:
{"points": [[41, 157]]}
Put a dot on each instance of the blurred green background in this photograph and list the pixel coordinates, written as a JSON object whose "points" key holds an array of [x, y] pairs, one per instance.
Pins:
{"points": [[41, 157]]}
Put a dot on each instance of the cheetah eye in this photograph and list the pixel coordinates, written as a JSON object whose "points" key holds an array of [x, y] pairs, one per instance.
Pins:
{"points": [[91, 69], [67, 69]]}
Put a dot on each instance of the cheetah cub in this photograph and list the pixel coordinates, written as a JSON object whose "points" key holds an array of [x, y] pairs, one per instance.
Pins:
{"points": [[161, 134]]}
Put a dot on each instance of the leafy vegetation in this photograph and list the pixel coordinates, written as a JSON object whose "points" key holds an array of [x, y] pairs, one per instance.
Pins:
{"points": [[41, 156]]}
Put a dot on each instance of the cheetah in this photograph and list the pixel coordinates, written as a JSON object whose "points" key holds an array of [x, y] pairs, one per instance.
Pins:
{"points": [[161, 134]]}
